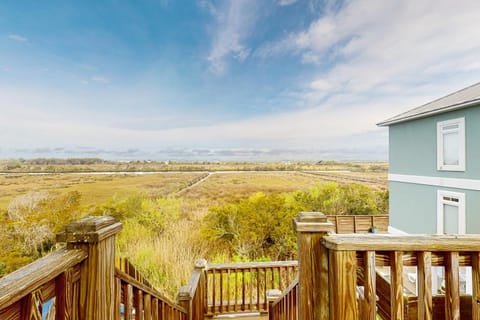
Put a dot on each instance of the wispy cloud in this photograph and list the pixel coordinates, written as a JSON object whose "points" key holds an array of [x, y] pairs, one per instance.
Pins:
{"points": [[385, 45], [234, 20], [17, 37], [286, 2], [100, 79]]}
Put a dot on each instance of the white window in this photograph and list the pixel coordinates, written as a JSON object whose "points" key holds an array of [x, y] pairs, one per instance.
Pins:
{"points": [[451, 145], [450, 212]]}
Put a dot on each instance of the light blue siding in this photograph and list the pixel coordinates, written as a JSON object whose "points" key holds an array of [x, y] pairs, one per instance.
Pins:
{"points": [[413, 208], [413, 145]]}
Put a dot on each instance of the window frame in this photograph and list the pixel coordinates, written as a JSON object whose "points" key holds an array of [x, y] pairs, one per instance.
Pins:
{"points": [[461, 148], [460, 204]]}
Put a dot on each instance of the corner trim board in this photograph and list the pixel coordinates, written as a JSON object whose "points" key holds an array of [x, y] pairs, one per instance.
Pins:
{"points": [[458, 183]]}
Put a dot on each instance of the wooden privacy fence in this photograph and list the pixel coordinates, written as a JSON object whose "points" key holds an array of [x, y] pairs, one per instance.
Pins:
{"points": [[359, 223], [79, 281]]}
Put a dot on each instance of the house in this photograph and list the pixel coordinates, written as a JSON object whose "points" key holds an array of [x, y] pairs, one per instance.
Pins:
{"points": [[434, 175]]}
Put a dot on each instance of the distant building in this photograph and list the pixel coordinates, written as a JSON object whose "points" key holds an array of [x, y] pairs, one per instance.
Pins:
{"points": [[434, 175]]}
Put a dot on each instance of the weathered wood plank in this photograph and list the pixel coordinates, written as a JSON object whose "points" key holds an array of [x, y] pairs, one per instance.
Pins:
{"points": [[387, 242]]}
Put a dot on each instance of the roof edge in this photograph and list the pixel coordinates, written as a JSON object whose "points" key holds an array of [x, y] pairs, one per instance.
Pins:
{"points": [[462, 105]]}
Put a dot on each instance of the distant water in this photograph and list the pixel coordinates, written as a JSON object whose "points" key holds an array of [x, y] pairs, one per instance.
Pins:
{"points": [[199, 154]]}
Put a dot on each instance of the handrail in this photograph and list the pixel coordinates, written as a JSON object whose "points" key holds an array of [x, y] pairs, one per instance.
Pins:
{"points": [[253, 265], [18, 284], [123, 264], [137, 298], [409, 242], [285, 307]]}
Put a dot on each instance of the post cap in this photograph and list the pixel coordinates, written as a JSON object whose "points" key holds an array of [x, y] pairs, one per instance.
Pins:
{"points": [[273, 294], [89, 230], [200, 264], [184, 293], [312, 222]]}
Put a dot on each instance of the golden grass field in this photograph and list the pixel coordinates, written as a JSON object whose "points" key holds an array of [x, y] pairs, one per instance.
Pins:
{"points": [[217, 189], [94, 189]]}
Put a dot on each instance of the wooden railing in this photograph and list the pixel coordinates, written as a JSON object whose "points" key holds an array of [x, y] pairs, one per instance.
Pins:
{"points": [[285, 307], [135, 300], [350, 255], [234, 288], [79, 281], [359, 223], [124, 265], [51, 278], [242, 287]]}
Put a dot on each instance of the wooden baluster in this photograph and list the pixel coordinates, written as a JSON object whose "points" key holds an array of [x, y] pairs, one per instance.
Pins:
{"points": [[147, 303], [265, 302], [343, 284], [213, 291], [369, 301], [229, 294], [258, 289], [280, 279], [476, 286], [250, 288], [272, 284], [452, 286], [396, 285], [138, 304], [424, 279], [118, 298], [128, 301], [243, 290], [155, 309], [221, 291], [64, 296], [236, 290]]}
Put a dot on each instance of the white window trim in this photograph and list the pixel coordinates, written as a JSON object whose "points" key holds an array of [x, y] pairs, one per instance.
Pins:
{"points": [[461, 209], [461, 147]]}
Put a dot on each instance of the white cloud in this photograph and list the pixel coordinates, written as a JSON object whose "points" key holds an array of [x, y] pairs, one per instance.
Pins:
{"points": [[17, 38], [100, 79], [378, 44], [234, 20], [286, 2]]}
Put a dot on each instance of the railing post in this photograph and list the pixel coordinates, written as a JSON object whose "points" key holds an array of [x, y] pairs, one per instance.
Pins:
{"points": [[313, 265], [96, 236], [192, 296], [272, 296]]}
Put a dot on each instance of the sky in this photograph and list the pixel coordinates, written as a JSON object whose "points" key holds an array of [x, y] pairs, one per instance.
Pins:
{"points": [[226, 79]]}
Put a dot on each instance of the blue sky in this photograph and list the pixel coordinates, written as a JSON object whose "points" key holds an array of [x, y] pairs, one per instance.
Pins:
{"points": [[270, 78]]}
